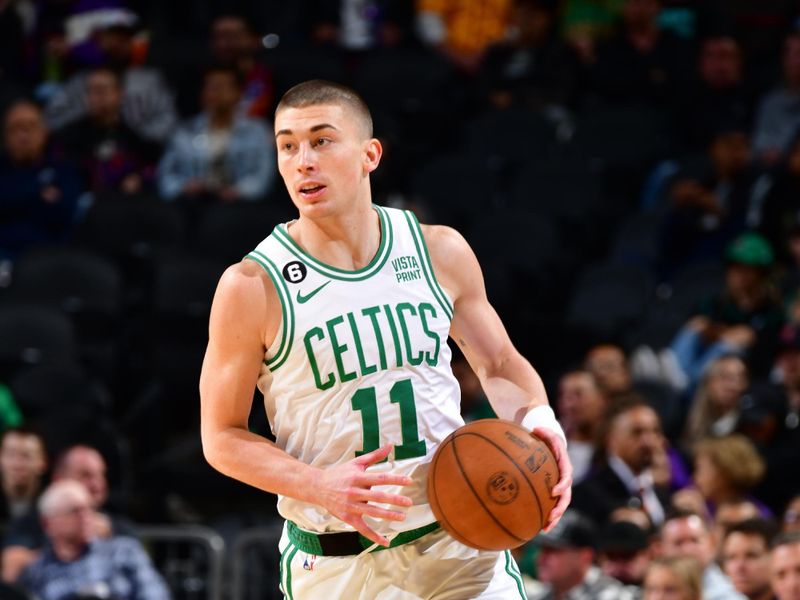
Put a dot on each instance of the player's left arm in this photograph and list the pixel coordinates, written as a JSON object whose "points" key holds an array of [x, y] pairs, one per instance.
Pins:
{"points": [[513, 387]]}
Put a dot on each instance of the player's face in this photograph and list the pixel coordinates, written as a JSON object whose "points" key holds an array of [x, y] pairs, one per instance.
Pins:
{"points": [[325, 158], [746, 561], [786, 572]]}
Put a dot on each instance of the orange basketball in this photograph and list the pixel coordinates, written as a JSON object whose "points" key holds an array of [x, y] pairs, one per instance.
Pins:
{"points": [[489, 484]]}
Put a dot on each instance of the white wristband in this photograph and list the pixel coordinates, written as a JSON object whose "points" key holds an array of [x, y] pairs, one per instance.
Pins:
{"points": [[543, 416]]}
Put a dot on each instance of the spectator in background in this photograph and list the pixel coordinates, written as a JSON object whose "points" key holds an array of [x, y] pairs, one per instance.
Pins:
{"points": [[745, 557], [641, 63], [114, 156], [718, 95], [631, 436], [38, 192], [743, 319], [687, 534], [76, 564], [790, 522], [733, 512], [623, 552], [586, 23], [219, 154], [23, 464], [581, 405], [778, 116], [785, 566], [714, 409], [726, 469], [356, 25], [12, 43], [236, 44], [147, 108], [708, 202], [609, 365], [25, 537], [462, 31], [532, 67], [779, 214], [565, 564], [678, 578]]}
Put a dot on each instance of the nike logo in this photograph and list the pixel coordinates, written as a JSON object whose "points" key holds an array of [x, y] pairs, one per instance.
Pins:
{"points": [[303, 299]]}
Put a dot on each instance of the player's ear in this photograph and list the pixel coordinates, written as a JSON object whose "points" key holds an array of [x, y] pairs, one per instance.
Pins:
{"points": [[372, 154]]}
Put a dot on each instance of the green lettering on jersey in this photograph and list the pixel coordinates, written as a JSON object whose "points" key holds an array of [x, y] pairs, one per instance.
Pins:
{"points": [[397, 351], [316, 332], [364, 400], [339, 349], [423, 308], [405, 306], [365, 368], [372, 312], [402, 393]]}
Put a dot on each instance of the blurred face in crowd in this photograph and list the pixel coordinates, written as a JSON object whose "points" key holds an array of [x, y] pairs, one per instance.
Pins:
{"points": [[688, 536], [635, 437], [709, 479], [730, 153], [733, 513], [87, 466], [220, 92], [627, 567], [744, 280], [22, 461], [103, 95], [231, 39], [563, 568], [789, 364], [720, 62], [791, 516], [25, 133], [791, 60], [533, 22], [640, 13], [745, 559], [69, 517], [610, 368], [662, 583], [726, 382], [116, 44], [785, 569], [580, 402]]}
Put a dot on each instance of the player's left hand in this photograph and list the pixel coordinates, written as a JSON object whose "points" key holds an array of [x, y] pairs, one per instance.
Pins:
{"points": [[563, 489]]}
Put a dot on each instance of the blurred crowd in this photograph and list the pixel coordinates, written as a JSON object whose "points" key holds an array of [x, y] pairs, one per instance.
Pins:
{"points": [[628, 172]]}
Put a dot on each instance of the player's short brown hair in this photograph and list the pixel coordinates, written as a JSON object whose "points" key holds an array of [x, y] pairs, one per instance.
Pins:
{"points": [[317, 92]]}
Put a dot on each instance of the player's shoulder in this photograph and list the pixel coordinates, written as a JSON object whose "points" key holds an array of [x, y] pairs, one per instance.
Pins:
{"points": [[443, 240], [245, 282]]}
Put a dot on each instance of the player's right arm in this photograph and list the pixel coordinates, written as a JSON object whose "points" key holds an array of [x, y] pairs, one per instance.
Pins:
{"points": [[245, 316]]}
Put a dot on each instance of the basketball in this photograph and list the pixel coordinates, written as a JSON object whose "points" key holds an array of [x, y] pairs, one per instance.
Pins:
{"points": [[489, 484]]}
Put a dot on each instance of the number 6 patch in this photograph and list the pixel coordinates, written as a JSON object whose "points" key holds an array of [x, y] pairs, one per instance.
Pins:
{"points": [[294, 272]]}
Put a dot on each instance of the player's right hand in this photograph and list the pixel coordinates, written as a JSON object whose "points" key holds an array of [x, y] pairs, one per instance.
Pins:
{"points": [[346, 491]]}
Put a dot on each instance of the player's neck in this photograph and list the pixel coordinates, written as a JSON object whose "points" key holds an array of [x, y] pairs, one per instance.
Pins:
{"points": [[348, 241]]}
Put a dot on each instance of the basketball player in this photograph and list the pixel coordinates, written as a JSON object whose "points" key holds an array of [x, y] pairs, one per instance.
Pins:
{"points": [[341, 318]]}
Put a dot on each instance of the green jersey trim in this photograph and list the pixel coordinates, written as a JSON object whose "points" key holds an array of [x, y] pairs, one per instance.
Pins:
{"points": [[427, 266], [287, 310], [376, 264], [513, 572]]}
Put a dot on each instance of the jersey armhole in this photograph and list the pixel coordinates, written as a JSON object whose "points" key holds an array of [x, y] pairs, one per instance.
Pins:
{"points": [[282, 345], [427, 265]]}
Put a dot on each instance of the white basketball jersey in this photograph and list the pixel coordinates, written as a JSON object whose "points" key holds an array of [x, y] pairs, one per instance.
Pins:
{"points": [[360, 360]]}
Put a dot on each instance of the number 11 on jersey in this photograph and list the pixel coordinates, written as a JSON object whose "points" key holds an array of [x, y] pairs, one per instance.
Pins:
{"points": [[401, 393]]}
